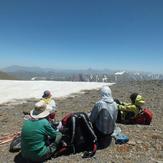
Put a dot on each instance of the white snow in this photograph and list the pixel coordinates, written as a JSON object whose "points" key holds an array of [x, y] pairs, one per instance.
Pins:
{"points": [[120, 73], [14, 89]]}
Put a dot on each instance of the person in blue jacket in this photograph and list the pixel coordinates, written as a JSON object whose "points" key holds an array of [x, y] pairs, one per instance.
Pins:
{"points": [[103, 117]]}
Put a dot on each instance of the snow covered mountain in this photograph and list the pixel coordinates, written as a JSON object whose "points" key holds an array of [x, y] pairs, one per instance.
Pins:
{"points": [[91, 75]]}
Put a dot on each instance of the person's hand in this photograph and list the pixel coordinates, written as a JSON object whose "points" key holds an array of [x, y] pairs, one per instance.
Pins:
{"points": [[117, 101]]}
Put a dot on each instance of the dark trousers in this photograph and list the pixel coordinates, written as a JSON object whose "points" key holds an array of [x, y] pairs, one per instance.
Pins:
{"points": [[127, 119], [40, 160], [103, 140], [47, 156]]}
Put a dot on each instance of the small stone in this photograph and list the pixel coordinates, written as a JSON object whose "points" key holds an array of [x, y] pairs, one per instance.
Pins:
{"points": [[132, 143], [139, 142]]}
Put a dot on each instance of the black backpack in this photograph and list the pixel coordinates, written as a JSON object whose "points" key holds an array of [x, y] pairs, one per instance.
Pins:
{"points": [[15, 145], [79, 134]]}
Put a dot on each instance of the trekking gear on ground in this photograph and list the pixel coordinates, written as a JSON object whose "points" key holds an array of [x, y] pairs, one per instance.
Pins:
{"points": [[144, 117], [121, 138], [15, 145], [79, 133], [7, 138]]}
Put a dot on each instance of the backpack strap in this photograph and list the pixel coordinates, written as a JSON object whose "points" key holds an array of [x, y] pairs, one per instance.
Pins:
{"points": [[73, 121], [89, 127]]}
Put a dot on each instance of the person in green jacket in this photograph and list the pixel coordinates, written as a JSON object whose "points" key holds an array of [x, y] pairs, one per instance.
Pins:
{"points": [[128, 111], [35, 134]]}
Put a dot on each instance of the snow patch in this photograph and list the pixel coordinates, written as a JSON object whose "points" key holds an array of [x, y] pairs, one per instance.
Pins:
{"points": [[15, 89], [120, 73]]}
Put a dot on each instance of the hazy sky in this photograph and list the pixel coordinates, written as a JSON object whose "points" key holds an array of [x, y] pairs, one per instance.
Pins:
{"points": [[81, 34]]}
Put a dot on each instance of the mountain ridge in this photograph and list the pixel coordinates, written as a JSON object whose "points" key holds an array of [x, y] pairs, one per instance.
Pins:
{"points": [[6, 76], [104, 75]]}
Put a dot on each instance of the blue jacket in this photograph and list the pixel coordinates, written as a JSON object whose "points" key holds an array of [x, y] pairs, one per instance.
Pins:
{"points": [[104, 113]]}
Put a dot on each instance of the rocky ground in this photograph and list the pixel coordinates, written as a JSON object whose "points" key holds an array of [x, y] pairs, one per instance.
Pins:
{"points": [[145, 142]]}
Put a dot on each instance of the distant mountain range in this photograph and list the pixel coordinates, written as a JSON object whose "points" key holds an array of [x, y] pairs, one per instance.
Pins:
{"points": [[37, 73], [6, 76], [106, 75], [16, 68]]}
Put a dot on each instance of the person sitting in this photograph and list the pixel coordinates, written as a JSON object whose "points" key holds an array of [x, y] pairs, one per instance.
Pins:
{"points": [[128, 111], [35, 134], [49, 100], [103, 117]]}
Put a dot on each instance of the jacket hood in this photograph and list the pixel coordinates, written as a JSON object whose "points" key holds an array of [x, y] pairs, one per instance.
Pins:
{"points": [[106, 94]]}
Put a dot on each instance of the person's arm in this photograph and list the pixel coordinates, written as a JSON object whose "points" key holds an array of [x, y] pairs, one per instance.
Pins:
{"points": [[94, 112], [121, 107], [53, 104], [127, 107], [53, 133]]}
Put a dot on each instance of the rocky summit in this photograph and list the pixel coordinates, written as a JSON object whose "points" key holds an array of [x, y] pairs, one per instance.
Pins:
{"points": [[145, 141]]}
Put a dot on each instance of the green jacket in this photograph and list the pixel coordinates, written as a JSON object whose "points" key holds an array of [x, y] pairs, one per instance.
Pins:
{"points": [[128, 107], [132, 107], [34, 136]]}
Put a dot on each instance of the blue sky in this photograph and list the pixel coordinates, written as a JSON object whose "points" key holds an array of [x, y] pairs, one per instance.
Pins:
{"points": [[81, 34]]}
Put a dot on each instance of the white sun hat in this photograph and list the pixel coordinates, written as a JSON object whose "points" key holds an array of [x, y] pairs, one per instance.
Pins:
{"points": [[41, 110]]}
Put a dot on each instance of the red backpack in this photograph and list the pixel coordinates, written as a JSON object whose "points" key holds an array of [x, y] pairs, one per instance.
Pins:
{"points": [[145, 117]]}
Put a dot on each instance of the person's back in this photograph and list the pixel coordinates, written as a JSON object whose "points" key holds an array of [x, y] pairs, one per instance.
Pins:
{"points": [[106, 116], [103, 115], [35, 133], [49, 100]]}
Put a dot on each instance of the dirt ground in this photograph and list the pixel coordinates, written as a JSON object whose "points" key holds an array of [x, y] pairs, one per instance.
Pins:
{"points": [[145, 142]]}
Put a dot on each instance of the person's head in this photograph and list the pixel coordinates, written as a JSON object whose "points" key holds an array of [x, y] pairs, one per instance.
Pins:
{"points": [[133, 97], [47, 94], [106, 92], [137, 99], [41, 110]]}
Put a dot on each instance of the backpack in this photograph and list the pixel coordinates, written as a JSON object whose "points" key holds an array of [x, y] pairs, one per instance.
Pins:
{"points": [[15, 145], [79, 133], [145, 117]]}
